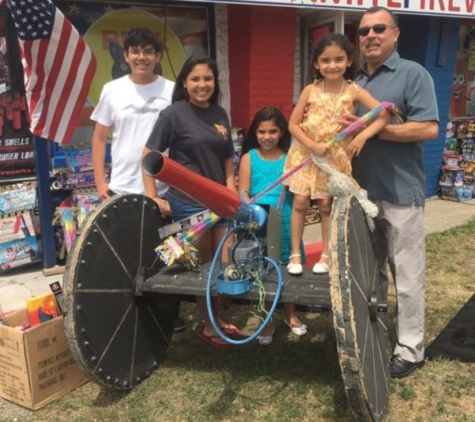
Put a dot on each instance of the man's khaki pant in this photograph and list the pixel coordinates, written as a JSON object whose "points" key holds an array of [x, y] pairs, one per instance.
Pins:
{"points": [[400, 242]]}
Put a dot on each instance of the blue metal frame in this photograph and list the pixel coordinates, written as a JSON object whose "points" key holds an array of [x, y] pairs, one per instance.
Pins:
{"points": [[42, 165]]}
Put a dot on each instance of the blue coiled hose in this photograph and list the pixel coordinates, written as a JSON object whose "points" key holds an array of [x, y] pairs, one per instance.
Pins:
{"points": [[208, 294]]}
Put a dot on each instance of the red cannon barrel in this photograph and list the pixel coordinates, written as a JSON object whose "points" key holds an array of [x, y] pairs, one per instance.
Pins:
{"points": [[218, 198]]}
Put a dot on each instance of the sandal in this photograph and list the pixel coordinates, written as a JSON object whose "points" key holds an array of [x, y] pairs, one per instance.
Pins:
{"points": [[294, 268], [230, 331], [213, 340], [321, 267]]}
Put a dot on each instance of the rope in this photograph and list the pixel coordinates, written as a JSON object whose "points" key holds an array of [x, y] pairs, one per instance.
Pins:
{"points": [[259, 286]]}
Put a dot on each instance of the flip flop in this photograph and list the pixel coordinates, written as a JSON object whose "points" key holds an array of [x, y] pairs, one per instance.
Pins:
{"points": [[230, 331], [211, 340]]}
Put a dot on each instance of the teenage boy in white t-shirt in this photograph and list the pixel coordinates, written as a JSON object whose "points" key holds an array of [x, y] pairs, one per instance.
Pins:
{"points": [[129, 107]]}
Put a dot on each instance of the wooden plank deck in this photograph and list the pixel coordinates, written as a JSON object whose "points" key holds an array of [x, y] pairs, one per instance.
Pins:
{"points": [[307, 289]]}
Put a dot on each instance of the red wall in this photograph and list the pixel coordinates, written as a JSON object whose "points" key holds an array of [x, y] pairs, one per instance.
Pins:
{"points": [[261, 60]]}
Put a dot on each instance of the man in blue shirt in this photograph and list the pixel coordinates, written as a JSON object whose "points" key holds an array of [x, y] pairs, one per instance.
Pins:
{"points": [[390, 168]]}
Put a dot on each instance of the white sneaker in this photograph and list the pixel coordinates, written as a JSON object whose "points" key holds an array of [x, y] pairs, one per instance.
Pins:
{"points": [[298, 331], [294, 268], [266, 340], [321, 267]]}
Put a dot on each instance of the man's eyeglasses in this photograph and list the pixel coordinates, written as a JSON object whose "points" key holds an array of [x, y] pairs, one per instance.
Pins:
{"points": [[377, 29]]}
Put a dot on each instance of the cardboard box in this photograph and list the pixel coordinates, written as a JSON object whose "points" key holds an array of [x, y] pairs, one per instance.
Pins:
{"points": [[36, 365]]}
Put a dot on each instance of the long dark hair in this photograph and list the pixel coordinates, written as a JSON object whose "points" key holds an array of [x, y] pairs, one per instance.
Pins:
{"points": [[341, 41], [263, 115], [180, 92]]}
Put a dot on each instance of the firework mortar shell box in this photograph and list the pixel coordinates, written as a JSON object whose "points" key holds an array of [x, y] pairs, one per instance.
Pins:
{"points": [[36, 365]]}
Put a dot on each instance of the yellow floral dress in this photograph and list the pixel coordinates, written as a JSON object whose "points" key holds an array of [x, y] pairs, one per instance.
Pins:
{"points": [[321, 125]]}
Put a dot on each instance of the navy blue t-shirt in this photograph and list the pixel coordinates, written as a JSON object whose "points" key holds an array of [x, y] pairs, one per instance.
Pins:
{"points": [[198, 138]]}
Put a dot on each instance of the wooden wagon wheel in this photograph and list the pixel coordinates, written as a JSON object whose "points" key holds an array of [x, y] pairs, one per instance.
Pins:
{"points": [[359, 313], [118, 339]]}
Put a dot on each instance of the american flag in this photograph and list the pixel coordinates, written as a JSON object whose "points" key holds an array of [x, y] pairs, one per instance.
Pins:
{"points": [[58, 68]]}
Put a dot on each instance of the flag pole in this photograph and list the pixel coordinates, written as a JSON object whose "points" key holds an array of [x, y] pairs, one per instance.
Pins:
{"points": [[45, 204]]}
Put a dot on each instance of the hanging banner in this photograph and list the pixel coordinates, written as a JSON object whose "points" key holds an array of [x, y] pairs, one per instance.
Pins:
{"points": [[16, 144], [460, 8], [182, 29]]}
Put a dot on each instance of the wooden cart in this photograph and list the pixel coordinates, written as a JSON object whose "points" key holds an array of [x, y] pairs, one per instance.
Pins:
{"points": [[120, 299]]}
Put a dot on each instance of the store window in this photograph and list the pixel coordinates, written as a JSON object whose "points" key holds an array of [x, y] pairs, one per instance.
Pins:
{"points": [[457, 176], [462, 101], [183, 28]]}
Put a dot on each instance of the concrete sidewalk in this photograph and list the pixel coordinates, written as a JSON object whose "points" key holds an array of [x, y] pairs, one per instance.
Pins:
{"points": [[440, 215]]}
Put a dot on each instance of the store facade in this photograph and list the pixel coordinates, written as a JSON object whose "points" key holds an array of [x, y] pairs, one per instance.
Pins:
{"points": [[263, 47]]}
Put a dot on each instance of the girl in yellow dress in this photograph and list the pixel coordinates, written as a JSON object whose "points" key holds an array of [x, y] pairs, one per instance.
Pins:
{"points": [[314, 122]]}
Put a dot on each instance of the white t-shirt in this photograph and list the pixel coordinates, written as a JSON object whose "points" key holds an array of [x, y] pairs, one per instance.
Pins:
{"points": [[132, 110]]}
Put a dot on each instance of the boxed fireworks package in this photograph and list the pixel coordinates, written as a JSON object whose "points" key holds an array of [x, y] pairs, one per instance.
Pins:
{"points": [[36, 365], [18, 242]]}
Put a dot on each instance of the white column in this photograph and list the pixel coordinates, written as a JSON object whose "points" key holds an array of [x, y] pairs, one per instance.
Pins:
{"points": [[222, 54]]}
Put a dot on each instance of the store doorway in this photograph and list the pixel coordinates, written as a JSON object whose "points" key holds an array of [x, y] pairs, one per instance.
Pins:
{"points": [[315, 25]]}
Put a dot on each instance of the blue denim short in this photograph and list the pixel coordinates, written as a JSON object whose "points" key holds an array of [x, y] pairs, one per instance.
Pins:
{"points": [[181, 210]]}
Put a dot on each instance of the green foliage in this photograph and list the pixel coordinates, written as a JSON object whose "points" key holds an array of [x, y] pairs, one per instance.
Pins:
{"points": [[407, 393]]}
